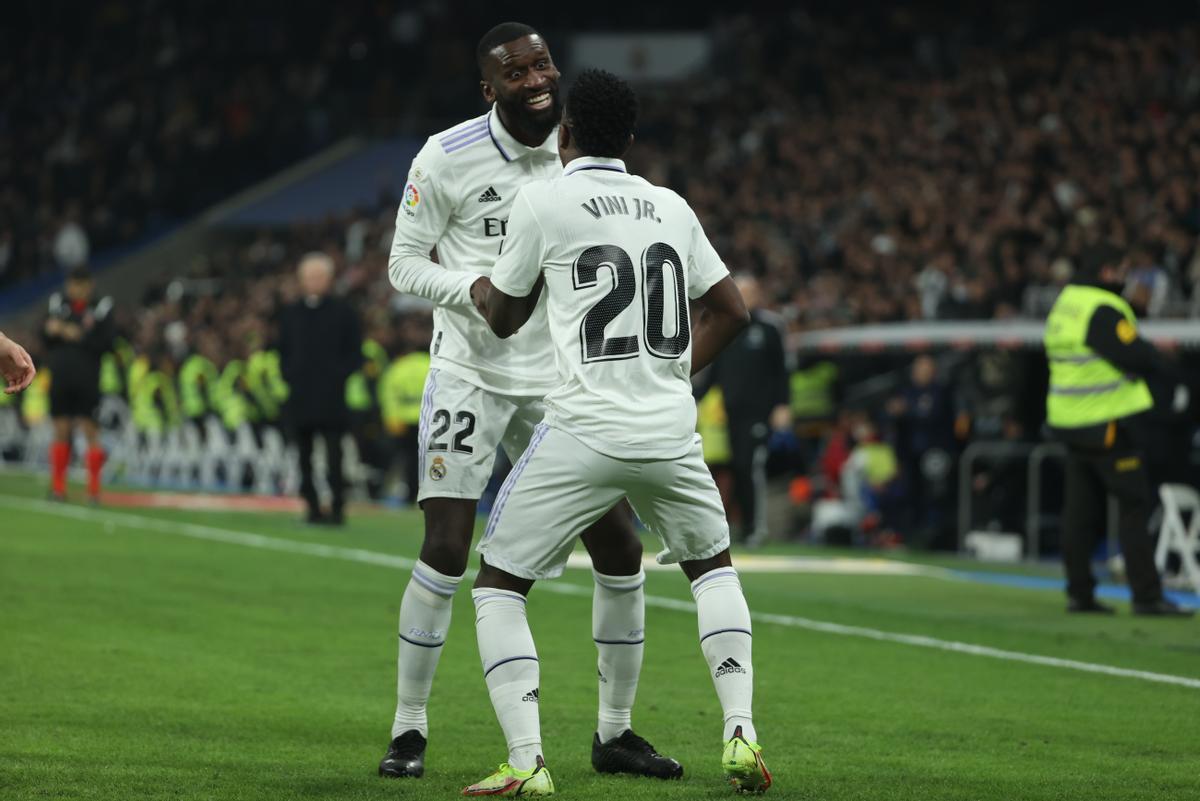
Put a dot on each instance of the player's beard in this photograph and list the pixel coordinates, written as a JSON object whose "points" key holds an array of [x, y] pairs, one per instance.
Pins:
{"points": [[536, 124]]}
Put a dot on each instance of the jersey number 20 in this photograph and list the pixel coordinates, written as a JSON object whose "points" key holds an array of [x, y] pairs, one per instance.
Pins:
{"points": [[656, 261]]}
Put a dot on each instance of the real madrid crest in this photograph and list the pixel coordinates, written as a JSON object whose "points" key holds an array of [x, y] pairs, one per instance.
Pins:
{"points": [[437, 470]]}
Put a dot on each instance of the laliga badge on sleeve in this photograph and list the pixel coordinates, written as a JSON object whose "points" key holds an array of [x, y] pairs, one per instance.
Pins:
{"points": [[411, 201]]}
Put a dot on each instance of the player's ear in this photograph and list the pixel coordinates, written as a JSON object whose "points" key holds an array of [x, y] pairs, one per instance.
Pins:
{"points": [[628, 145], [489, 94], [564, 137]]}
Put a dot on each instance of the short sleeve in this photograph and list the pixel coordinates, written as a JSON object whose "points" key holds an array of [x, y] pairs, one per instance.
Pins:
{"points": [[705, 267], [520, 263]]}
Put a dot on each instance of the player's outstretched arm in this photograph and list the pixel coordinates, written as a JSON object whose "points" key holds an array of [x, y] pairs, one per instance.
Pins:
{"points": [[506, 314], [722, 315], [15, 366]]}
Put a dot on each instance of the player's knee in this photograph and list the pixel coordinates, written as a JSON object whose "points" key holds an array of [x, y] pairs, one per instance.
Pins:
{"points": [[618, 556], [495, 578], [698, 567]]}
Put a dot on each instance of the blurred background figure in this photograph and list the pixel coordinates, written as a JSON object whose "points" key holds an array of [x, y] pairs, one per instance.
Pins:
{"points": [[752, 376], [320, 346], [77, 332], [400, 392], [923, 415], [1095, 406]]}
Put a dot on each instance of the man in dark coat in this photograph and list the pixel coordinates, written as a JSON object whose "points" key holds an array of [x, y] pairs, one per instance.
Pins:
{"points": [[320, 346]]}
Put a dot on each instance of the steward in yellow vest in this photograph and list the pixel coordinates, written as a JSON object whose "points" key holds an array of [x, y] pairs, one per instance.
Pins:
{"points": [[1096, 391]]}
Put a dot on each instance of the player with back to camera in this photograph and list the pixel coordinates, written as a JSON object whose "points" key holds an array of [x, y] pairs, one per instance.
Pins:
{"points": [[482, 393], [618, 259]]}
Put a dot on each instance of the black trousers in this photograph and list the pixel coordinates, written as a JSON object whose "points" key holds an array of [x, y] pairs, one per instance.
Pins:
{"points": [[305, 435], [1092, 473], [748, 461]]}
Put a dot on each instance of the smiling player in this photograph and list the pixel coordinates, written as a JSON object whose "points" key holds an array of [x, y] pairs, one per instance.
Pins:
{"points": [[482, 393]]}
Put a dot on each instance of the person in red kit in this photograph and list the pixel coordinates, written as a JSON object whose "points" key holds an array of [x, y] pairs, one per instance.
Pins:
{"points": [[78, 332]]}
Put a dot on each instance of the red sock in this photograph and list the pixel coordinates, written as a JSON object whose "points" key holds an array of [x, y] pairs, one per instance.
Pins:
{"points": [[94, 461], [60, 457]]}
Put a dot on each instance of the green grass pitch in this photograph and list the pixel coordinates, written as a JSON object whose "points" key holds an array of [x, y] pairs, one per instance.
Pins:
{"points": [[205, 655]]}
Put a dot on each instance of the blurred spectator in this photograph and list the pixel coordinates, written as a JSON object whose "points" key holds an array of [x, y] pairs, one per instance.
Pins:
{"points": [[752, 375], [320, 347], [923, 415], [77, 333]]}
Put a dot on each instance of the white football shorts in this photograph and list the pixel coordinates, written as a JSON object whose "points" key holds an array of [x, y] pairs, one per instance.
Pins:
{"points": [[460, 428], [560, 486]]}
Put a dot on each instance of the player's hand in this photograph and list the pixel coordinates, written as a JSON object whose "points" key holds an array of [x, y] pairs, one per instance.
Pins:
{"points": [[479, 294], [15, 366]]}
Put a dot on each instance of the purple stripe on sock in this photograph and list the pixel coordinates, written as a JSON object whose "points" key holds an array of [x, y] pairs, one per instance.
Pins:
{"points": [[712, 574], [506, 661], [618, 642], [724, 631], [433, 586], [513, 597], [423, 644]]}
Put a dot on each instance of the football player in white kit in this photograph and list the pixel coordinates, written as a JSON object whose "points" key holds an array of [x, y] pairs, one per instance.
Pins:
{"points": [[482, 393], [617, 259]]}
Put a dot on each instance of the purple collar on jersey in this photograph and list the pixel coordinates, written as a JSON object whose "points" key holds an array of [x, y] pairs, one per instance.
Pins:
{"points": [[507, 144], [593, 163]]}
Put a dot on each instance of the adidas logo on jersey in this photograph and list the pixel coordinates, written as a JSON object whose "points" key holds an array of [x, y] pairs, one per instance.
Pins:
{"points": [[532, 695], [490, 195], [730, 665]]}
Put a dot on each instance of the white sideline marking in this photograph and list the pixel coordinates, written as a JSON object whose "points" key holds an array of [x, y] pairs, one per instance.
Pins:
{"points": [[234, 537]]}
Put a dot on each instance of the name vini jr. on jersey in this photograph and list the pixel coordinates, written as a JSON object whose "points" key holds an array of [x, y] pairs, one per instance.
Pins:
{"points": [[609, 205]]}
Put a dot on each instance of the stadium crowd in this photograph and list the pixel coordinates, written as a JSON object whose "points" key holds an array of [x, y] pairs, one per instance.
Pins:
{"points": [[942, 178], [962, 172]]}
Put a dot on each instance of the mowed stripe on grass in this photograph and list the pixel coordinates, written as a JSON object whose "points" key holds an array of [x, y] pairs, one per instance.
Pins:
{"points": [[365, 556]]}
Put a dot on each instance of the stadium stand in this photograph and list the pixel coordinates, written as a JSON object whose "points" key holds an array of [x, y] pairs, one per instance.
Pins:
{"points": [[963, 172]]}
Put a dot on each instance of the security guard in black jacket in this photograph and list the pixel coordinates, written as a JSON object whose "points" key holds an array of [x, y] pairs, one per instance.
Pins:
{"points": [[752, 375], [1095, 398]]}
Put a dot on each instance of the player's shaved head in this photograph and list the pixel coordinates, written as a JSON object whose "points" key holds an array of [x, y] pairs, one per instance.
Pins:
{"points": [[501, 34], [518, 75], [315, 273]]}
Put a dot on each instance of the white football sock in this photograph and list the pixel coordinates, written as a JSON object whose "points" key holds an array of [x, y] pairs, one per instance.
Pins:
{"points": [[618, 627], [510, 668], [724, 621], [424, 621]]}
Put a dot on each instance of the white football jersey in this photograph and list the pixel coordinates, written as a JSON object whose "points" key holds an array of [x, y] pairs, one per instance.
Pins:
{"points": [[621, 258], [457, 199]]}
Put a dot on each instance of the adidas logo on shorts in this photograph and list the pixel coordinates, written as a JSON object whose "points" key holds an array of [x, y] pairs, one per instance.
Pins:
{"points": [[532, 695], [490, 195], [730, 665]]}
